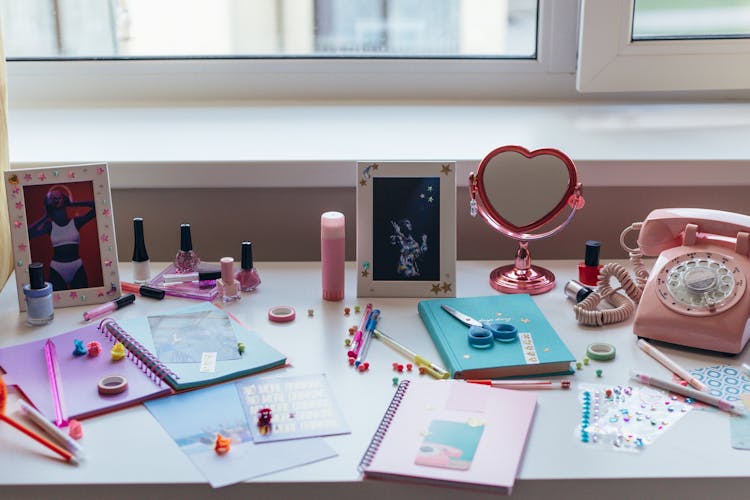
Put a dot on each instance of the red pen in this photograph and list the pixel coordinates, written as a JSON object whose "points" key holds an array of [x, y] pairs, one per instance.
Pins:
{"points": [[525, 384]]}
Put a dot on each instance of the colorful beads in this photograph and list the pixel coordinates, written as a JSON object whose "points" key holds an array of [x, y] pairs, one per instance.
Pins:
{"points": [[93, 348]]}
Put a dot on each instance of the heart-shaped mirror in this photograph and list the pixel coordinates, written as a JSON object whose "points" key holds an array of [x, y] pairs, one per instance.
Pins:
{"points": [[517, 191]]}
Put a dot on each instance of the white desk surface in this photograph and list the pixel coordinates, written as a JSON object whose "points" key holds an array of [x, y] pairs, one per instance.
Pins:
{"points": [[130, 454]]}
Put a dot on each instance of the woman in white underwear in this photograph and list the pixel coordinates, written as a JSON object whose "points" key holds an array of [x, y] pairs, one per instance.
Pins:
{"points": [[66, 266]]}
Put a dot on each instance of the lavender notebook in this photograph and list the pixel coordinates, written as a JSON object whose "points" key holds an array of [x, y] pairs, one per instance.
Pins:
{"points": [[26, 367]]}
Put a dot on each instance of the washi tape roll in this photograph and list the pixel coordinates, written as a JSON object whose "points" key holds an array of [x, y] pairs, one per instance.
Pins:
{"points": [[113, 384], [281, 314], [600, 351], [479, 337]]}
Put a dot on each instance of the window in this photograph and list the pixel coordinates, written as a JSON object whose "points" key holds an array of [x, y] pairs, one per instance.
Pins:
{"points": [[664, 45], [238, 49]]}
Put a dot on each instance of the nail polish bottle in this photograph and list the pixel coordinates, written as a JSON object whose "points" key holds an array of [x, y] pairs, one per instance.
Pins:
{"points": [[141, 262], [332, 254], [227, 287], [248, 275], [186, 260], [39, 307], [588, 270]]}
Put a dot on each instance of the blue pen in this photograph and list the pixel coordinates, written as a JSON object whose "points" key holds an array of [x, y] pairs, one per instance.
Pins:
{"points": [[372, 322]]}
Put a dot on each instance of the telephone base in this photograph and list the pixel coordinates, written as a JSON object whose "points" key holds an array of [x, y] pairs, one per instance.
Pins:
{"points": [[534, 280]]}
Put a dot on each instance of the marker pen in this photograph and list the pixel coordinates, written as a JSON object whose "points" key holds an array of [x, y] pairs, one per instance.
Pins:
{"points": [[108, 307], [143, 290], [186, 277]]}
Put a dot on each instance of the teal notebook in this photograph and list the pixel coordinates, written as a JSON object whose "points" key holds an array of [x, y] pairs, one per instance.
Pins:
{"points": [[195, 346], [538, 350]]}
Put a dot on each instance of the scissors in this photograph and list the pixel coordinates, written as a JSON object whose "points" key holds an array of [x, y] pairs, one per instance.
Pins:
{"points": [[482, 334]]}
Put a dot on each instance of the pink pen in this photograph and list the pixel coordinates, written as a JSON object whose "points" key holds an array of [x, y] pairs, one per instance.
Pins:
{"points": [[108, 307], [357, 340]]}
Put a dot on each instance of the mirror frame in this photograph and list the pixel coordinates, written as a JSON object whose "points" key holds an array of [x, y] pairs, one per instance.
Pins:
{"points": [[488, 211]]}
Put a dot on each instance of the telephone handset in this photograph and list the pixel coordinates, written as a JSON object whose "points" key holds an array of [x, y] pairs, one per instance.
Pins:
{"points": [[695, 294]]}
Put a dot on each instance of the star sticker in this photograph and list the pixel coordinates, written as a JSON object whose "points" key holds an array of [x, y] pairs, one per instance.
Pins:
{"points": [[18, 224], [73, 294], [365, 273], [71, 175], [446, 287], [22, 247], [105, 238], [429, 188], [435, 288], [27, 177], [430, 199], [374, 166], [100, 294], [108, 263], [363, 183], [525, 320], [100, 170], [446, 169], [16, 189], [105, 211], [42, 177], [57, 297], [19, 205]]}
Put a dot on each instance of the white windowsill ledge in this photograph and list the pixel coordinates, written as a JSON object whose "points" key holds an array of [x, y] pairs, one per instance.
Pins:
{"points": [[285, 145]]}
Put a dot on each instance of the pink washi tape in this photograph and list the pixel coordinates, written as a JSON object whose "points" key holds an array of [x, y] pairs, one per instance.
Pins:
{"points": [[281, 314]]}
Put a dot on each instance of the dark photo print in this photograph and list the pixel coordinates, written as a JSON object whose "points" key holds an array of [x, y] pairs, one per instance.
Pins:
{"points": [[406, 228]]}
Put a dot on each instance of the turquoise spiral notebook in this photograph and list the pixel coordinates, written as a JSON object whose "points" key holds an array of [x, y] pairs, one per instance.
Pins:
{"points": [[197, 345], [539, 350]]}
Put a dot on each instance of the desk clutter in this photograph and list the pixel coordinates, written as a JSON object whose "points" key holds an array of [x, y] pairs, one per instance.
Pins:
{"points": [[459, 415]]}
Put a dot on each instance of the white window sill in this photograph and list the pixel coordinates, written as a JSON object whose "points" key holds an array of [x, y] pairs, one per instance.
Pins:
{"points": [[286, 145]]}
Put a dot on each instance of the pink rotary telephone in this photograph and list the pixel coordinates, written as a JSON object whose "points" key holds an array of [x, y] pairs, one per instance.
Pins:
{"points": [[696, 292]]}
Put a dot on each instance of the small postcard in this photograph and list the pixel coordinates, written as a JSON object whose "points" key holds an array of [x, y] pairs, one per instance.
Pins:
{"points": [[449, 445], [187, 337]]}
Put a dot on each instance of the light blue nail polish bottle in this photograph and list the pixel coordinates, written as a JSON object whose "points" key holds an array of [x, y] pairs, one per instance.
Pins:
{"points": [[39, 307]]}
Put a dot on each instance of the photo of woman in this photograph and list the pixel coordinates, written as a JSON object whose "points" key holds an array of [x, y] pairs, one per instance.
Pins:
{"points": [[63, 234]]}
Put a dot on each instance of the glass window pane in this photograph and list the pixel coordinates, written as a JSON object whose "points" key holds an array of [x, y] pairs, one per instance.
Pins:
{"points": [[269, 28], [685, 19]]}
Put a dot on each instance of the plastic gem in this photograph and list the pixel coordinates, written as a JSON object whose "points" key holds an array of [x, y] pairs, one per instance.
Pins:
{"points": [[598, 373], [356, 309], [310, 313], [586, 361], [80, 349], [347, 311], [347, 342], [578, 365], [395, 380]]}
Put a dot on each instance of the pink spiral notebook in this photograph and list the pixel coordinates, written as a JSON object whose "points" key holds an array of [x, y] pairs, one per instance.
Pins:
{"points": [[73, 392], [451, 433]]}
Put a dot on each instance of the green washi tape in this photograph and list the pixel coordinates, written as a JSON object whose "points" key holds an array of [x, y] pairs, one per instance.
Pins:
{"points": [[600, 351]]}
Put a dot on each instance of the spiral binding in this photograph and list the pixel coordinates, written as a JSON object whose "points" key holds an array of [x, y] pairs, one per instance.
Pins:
{"points": [[138, 354], [385, 423]]}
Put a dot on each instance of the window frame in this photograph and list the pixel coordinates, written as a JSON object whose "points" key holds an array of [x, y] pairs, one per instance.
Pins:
{"points": [[76, 81], [609, 61]]}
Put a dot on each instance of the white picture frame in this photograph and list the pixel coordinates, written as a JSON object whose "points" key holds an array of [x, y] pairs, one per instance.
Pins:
{"points": [[88, 273], [406, 229]]}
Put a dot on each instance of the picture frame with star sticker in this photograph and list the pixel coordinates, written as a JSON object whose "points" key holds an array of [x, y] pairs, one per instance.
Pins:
{"points": [[406, 229], [62, 217]]}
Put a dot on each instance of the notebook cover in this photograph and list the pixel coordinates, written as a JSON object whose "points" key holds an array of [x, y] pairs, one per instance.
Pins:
{"points": [[538, 351], [26, 367], [451, 433], [258, 355]]}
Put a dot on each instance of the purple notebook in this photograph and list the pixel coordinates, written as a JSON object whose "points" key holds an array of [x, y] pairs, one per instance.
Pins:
{"points": [[79, 376]]}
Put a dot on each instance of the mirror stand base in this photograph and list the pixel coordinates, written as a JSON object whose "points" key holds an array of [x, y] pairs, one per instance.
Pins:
{"points": [[510, 279]]}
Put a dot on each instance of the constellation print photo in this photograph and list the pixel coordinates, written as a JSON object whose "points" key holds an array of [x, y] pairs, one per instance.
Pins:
{"points": [[62, 218], [406, 229]]}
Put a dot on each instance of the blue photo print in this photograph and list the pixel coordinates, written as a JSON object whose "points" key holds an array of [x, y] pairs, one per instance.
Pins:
{"points": [[406, 228]]}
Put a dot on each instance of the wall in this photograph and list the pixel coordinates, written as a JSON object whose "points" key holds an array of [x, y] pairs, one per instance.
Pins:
{"points": [[284, 223]]}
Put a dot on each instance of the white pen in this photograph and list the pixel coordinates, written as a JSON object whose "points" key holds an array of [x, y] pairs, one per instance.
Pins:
{"points": [[52, 430], [670, 365], [688, 392]]}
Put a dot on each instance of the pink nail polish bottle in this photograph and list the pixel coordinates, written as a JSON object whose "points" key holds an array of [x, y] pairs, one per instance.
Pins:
{"points": [[186, 260], [332, 254], [248, 275], [228, 288]]}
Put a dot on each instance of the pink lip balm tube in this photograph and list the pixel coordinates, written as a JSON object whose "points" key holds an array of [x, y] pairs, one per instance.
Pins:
{"points": [[332, 254], [108, 307]]}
